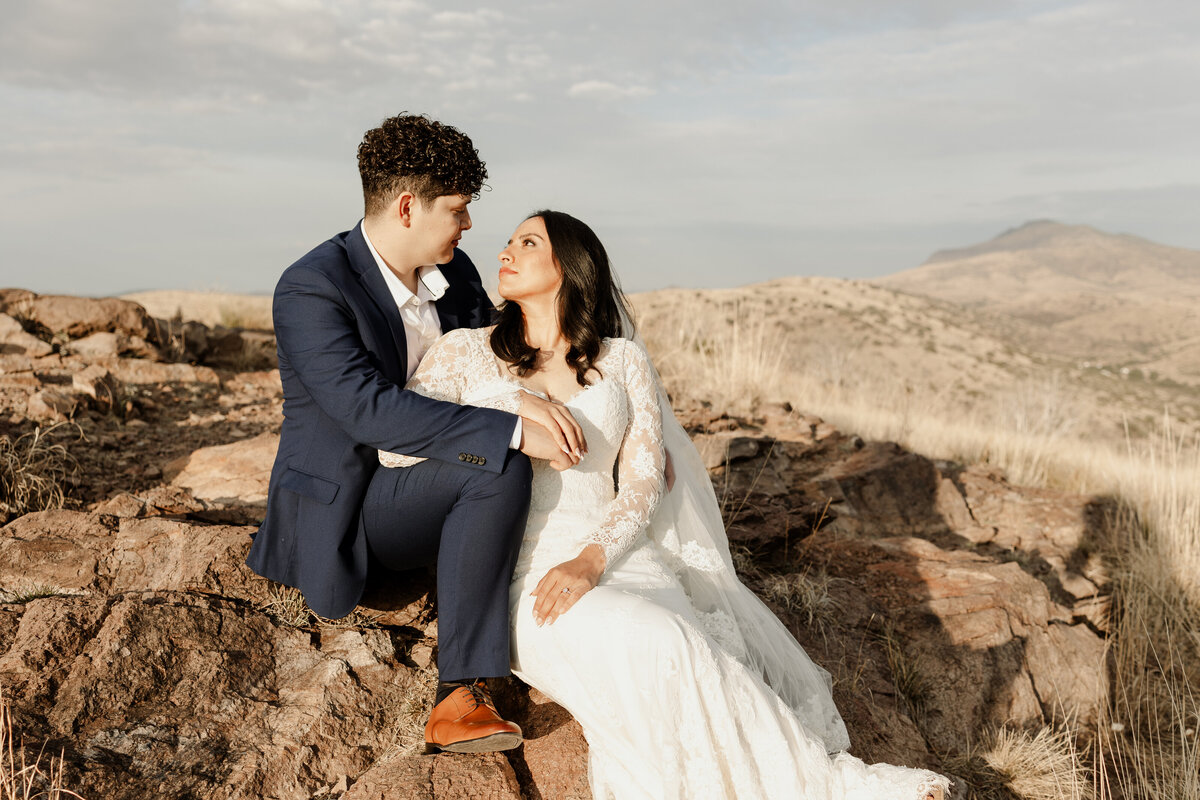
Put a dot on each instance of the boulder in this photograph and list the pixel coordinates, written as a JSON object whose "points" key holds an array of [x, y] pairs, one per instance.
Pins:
{"points": [[77, 317], [15, 364], [106, 346], [142, 371], [234, 348], [99, 384], [52, 405], [15, 340], [103, 344], [482, 776], [148, 651], [234, 474]]}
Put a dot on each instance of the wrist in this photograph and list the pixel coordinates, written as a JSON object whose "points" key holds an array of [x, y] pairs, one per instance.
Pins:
{"points": [[593, 556]]}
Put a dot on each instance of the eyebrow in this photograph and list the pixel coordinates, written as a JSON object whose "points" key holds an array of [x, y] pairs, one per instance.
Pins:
{"points": [[526, 235]]}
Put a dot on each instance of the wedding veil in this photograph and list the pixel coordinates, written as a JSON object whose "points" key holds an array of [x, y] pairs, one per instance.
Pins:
{"points": [[689, 530]]}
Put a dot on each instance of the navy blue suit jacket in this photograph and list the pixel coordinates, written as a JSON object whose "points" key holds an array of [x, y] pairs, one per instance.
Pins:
{"points": [[343, 362]]}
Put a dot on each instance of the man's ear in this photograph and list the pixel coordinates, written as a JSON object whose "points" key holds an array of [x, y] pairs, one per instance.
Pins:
{"points": [[404, 208]]}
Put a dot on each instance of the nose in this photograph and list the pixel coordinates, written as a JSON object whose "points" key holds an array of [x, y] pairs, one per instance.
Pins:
{"points": [[466, 221], [505, 257]]}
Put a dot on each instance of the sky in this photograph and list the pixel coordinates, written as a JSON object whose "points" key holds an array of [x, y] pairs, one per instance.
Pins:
{"points": [[207, 144]]}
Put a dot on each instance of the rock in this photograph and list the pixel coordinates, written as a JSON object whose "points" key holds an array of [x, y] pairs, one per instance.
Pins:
{"points": [[76, 552], [52, 404], [156, 502], [13, 300], [81, 316], [241, 349], [969, 637], [718, 449], [98, 383], [228, 474], [104, 344], [164, 668], [11, 364], [141, 371], [14, 340], [552, 739], [261, 381], [482, 776], [183, 695]]}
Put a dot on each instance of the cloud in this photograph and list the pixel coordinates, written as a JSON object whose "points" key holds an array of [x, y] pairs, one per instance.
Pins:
{"points": [[751, 130], [604, 90]]}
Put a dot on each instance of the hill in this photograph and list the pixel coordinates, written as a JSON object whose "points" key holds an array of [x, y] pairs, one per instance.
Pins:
{"points": [[1116, 301], [851, 342]]}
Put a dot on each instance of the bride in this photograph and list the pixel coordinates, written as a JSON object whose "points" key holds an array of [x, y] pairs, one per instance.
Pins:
{"points": [[625, 608]]}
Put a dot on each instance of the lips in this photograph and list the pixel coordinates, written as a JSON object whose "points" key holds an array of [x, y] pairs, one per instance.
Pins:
{"points": [[507, 271]]}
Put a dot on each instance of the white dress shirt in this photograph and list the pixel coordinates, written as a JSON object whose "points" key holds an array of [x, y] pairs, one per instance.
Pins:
{"points": [[419, 314]]}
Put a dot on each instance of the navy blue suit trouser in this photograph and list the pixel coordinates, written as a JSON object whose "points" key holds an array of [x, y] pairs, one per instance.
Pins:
{"points": [[470, 522]]}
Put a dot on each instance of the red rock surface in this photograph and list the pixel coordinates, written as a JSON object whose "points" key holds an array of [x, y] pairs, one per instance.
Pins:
{"points": [[135, 639]]}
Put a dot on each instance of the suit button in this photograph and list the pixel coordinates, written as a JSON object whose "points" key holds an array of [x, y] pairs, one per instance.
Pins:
{"points": [[462, 456], [482, 460]]}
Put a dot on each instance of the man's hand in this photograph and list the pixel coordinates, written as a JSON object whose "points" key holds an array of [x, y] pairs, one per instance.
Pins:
{"points": [[536, 442], [563, 585], [557, 420]]}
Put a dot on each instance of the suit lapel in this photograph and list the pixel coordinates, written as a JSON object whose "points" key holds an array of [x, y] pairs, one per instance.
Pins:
{"points": [[372, 281]]}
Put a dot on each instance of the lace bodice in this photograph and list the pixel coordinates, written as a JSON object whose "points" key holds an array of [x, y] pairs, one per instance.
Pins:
{"points": [[616, 487]]}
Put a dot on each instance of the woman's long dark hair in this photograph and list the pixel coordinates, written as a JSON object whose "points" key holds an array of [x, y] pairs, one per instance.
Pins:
{"points": [[590, 301]]}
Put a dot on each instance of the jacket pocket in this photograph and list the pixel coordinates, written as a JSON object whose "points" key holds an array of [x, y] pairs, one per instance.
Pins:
{"points": [[319, 489]]}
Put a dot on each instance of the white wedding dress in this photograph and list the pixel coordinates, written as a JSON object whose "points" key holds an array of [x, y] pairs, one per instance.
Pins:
{"points": [[686, 686]]}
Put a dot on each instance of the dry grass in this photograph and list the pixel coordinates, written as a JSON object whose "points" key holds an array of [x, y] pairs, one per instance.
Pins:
{"points": [[211, 308], [807, 594], [413, 703], [1035, 433], [21, 779], [30, 592], [1012, 764], [286, 606], [908, 677], [33, 471]]}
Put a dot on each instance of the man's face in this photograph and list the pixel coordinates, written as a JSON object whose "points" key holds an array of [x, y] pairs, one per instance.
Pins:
{"points": [[439, 226]]}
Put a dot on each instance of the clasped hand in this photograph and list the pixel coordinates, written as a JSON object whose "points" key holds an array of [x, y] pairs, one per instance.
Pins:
{"points": [[550, 432], [563, 585]]}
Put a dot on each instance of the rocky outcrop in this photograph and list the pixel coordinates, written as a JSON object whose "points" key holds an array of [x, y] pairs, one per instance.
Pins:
{"points": [[77, 317], [145, 648], [954, 579], [14, 340], [943, 599], [234, 474]]}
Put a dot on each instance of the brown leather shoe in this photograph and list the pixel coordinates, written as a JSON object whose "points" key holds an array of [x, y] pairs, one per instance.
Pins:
{"points": [[467, 722]]}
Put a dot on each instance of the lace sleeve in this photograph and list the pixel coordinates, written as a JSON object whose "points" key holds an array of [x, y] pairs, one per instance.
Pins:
{"points": [[444, 368], [641, 460], [441, 375]]}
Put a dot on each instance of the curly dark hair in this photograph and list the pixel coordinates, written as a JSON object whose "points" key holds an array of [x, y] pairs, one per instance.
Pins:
{"points": [[416, 154], [590, 301]]}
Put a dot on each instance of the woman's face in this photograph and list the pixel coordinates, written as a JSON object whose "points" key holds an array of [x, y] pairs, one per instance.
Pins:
{"points": [[528, 268]]}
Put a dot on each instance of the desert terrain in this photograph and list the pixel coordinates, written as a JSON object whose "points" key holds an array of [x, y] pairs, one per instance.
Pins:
{"points": [[970, 511]]}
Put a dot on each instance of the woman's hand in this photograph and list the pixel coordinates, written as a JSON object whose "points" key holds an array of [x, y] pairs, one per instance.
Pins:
{"points": [[536, 442], [557, 421], [563, 585]]}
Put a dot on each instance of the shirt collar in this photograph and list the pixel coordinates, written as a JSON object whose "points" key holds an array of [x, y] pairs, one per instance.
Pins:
{"points": [[431, 283]]}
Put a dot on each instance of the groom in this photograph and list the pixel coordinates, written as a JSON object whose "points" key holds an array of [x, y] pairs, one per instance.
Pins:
{"points": [[352, 319]]}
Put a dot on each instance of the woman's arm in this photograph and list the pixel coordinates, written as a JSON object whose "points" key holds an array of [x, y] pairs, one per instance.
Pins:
{"points": [[640, 468]]}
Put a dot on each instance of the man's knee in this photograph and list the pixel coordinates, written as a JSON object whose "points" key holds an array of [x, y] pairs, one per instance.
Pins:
{"points": [[512, 483], [517, 470]]}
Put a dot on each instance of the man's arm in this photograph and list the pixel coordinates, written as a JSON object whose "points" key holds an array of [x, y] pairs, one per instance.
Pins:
{"points": [[319, 340]]}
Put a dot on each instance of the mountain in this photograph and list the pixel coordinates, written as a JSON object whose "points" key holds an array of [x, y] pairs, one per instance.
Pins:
{"points": [[1080, 293]]}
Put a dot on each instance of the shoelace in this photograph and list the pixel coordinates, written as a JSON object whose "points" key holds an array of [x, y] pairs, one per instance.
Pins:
{"points": [[479, 694]]}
